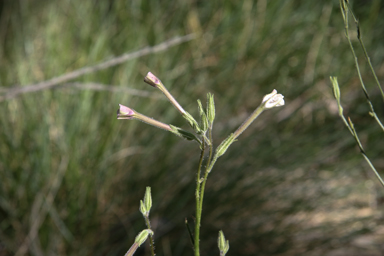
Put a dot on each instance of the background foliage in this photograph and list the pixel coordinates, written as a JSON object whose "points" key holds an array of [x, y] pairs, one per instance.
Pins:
{"points": [[72, 175]]}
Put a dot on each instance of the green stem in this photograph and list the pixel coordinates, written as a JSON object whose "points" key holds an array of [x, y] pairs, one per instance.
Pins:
{"points": [[365, 51], [249, 120], [151, 240], [198, 209], [346, 27], [344, 5], [362, 151], [210, 146], [200, 191], [210, 163], [373, 168], [371, 67]]}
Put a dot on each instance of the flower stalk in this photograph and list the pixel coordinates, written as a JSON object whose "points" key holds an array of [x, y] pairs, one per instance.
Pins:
{"points": [[203, 135], [269, 101], [351, 127], [152, 80], [127, 113]]}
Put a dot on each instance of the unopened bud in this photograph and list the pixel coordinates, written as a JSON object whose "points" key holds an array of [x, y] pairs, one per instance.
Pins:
{"points": [[203, 117], [152, 80], [210, 109], [273, 100], [222, 244], [125, 112], [148, 200]]}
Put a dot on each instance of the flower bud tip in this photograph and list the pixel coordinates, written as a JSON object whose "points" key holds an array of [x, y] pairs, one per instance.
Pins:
{"points": [[125, 112], [152, 80], [273, 100]]}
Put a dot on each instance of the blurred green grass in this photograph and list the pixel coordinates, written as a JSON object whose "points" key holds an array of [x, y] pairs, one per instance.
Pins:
{"points": [[284, 188]]}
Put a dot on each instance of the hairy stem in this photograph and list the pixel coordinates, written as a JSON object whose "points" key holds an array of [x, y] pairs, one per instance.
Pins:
{"points": [[151, 240]]}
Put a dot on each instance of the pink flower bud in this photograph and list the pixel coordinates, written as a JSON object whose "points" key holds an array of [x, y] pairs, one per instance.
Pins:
{"points": [[125, 112], [152, 80]]}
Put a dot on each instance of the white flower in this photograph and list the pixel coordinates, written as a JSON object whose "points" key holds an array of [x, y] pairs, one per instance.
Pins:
{"points": [[273, 100]]}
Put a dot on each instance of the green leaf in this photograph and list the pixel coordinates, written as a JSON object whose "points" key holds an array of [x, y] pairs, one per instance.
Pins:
{"points": [[192, 122], [184, 134], [143, 210], [222, 148], [142, 236], [336, 93], [203, 116]]}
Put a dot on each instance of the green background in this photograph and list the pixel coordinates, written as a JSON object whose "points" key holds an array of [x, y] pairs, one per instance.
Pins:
{"points": [[71, 175]]}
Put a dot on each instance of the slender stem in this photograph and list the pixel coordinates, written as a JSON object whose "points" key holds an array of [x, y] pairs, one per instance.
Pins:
{"points": [[210, 146], [200, 191], [362, 151], [207, 171], [371, 67], [346, 124], [151, 240], [346, 27], [377, 120], [132, 250], [365, 51], [152, 121], [344, 5], [198, 209], [249, 120], [373, 168], [171, 98], [189, 232], [207, 140]]}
